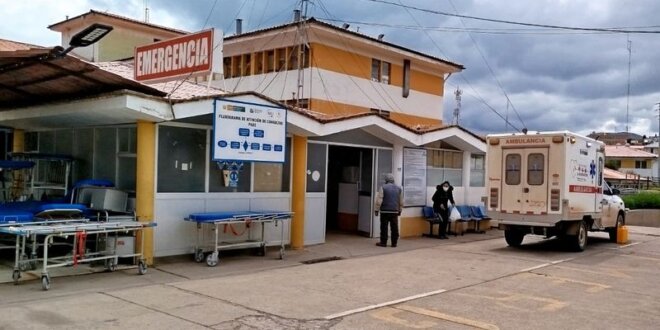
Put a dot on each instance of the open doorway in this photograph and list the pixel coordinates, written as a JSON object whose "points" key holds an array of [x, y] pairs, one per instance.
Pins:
{"points": [[350, 190]]}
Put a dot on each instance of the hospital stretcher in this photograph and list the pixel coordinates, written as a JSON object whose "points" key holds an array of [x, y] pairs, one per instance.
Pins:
{"points": [[229, 219], [43, 233]]}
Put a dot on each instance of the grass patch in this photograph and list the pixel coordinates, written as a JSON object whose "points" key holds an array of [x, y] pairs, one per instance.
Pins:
{"points": [[643, 200]]}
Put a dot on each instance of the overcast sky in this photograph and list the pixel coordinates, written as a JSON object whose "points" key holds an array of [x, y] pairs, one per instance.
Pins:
{"points": [[555, 79]]}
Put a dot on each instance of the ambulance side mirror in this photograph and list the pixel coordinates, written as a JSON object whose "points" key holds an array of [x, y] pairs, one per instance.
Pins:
{"points": [[615, 191]]}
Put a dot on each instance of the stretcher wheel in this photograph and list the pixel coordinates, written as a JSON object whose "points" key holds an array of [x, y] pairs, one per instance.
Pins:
{"points": [[16, 275], [212, 259], [45, 282], [110, 265], [281, 253], [199, 255], [142, 267], [261, 251]]}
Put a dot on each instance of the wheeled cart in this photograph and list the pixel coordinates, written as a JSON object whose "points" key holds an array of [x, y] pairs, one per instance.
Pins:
{"points": [[228, 219], [43, 234]]}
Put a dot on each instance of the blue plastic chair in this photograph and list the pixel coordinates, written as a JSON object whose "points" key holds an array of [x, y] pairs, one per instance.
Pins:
{"points": [[432, 218]]}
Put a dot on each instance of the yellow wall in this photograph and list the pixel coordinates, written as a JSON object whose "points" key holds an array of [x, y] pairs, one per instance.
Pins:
{"points": [[341, 61], [19, 141], [628, 163], [333, 59], [121, 44], [413, 226]]}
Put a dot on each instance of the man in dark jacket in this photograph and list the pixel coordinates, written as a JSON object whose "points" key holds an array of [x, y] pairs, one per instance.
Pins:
{"points": [[389, 203], [443, 195]]}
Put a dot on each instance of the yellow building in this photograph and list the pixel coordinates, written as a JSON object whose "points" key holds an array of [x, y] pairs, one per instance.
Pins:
{"points": [[357, 107]]}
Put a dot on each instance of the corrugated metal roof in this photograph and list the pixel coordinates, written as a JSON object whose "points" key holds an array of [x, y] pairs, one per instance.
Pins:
{"points": [[37, 76], [10, 45], [114, 16], [312, 20]]}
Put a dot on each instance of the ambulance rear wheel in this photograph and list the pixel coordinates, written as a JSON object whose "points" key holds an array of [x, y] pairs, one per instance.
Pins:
{"points": [[513, 237], [578, 242], [614, 231]]}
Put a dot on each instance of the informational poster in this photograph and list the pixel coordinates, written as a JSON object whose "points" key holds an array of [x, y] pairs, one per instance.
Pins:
{"points": [[414, 177], [248, 132]]}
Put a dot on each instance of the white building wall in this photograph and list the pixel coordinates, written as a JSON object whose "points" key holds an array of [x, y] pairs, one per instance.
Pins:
{"points": [[174, 236], [332, 86]]}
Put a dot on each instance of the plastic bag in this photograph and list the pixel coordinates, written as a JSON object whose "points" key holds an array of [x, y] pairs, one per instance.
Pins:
{"points": [[454, 215]]}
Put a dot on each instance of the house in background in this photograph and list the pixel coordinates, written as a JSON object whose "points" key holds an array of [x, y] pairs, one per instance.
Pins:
{"points": [[615, 138], [630, 160]]}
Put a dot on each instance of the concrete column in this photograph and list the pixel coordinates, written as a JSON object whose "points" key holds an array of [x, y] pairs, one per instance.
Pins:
{"points": [[397, 164], [299, 177], [145, 183], [466, 177]]}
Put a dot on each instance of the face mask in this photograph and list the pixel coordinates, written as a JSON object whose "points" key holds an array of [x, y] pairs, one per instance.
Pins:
{"points": [[445, 188]]}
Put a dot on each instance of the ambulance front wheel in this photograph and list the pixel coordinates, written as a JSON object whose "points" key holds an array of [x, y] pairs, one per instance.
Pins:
{"points": [[613, 231]]}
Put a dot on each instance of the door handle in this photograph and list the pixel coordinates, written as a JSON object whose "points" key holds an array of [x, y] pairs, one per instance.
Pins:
{"points": [[525, 190], [603, 202]]}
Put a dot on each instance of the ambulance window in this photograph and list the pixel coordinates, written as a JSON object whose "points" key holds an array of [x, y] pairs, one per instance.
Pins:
{"points": [[535, 169], [512, 175]]}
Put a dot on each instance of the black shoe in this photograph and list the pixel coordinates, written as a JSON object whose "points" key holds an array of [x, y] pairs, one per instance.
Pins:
{"points": [[393, 245], [381, 244], [443, 237]]}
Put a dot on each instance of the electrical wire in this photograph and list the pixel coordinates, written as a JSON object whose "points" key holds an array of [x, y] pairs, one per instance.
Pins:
{"points": [[490, 69], [477, 95], [492, 20], [395, 107]]}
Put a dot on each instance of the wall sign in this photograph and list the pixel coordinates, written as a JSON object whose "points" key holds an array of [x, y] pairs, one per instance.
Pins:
{"points": [[248, 132], [414, 177], [192, 55]]}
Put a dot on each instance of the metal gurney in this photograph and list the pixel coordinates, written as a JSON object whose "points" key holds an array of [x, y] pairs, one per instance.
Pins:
{"points": [[216, 219], [45, 232]]}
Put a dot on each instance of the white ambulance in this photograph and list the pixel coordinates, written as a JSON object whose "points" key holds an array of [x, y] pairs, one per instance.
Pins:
{"points": [[550, 184]]}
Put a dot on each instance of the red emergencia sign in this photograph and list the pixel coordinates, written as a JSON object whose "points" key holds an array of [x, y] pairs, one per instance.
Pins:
{"points": [[189, 54]]}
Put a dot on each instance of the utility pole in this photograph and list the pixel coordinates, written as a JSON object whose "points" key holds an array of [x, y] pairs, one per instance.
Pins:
{"points": [[657, 140], [457, 110], [628, 95]]}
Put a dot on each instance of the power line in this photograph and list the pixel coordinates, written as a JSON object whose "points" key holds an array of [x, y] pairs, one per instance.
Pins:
{"points": [[497, 31], [492, 20], [476, 93], [492, 72]]}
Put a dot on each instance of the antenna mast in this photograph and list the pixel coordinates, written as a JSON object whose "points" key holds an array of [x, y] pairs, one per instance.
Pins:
{"points": [[301, 52], [457, 110], [146, 11]]}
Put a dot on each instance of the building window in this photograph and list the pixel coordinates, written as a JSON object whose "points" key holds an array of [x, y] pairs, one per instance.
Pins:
{"points": [[181, 159], [270, 61], [375, 70], [477, 171], [640, 164], [444, 165], [247, 64], [614, 164], [259, 63], [385, 73], [280, 58], [380, 71], [226, 67]]}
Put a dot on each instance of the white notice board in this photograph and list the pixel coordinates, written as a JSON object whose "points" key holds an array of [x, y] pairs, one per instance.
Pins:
{"points": [[414, 177], [251, 132]]}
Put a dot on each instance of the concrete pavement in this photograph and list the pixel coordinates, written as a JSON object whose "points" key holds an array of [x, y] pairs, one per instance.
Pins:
{"points": [[469, 282]]}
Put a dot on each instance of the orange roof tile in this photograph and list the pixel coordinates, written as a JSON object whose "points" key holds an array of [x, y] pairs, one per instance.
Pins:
{"points": [[626, 152], [9, 45]]}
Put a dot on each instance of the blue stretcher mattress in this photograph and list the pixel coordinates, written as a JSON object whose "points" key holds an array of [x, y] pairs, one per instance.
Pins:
{"points": [[15, 164], [234, 215], [36, 207], [15, 216]]}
